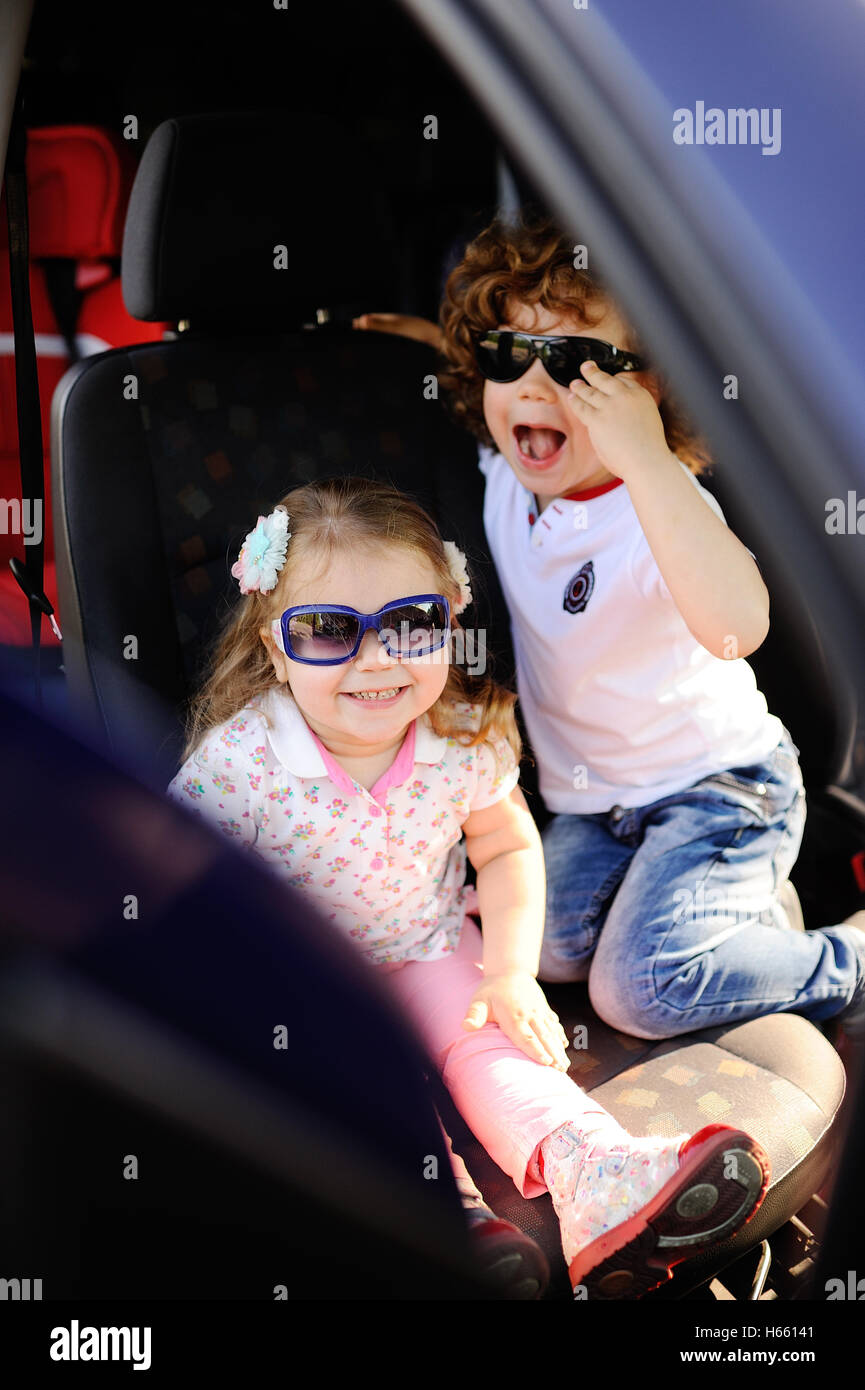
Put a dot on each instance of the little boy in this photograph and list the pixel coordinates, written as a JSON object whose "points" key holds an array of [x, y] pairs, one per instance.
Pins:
{"points": [[678, 799]]}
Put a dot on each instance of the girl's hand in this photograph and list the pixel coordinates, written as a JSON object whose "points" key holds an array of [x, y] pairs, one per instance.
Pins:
{"points": [[516, 1002], [405, 325], [621, 416]]}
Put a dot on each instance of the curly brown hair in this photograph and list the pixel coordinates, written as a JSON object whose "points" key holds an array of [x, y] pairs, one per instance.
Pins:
{"points": [[532, 261], [327, 515]]}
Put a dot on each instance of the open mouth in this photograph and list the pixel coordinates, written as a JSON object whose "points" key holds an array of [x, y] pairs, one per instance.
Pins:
{"points": [[538, 446]]}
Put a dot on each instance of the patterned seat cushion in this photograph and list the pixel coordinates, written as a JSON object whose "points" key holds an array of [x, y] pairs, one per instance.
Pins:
{"points": [[775, 1077]]}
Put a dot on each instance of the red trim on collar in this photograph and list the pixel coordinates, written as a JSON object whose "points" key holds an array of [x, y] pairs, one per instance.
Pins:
{"points": [[593, 491]]}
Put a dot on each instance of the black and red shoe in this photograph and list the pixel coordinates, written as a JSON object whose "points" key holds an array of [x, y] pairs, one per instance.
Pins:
{"points": [[512, 1263], [721, 1181]]}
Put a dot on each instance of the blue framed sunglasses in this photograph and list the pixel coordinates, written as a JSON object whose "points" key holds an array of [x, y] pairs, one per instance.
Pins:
{"points": [[329, 634]]}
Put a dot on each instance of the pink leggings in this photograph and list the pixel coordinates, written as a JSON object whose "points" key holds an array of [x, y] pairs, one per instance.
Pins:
{"points": [[509, 1102]]}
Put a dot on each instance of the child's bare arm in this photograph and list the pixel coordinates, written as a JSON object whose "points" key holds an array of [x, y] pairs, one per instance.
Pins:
{"points": [[712, 578], [504, 846], [405, 325]]}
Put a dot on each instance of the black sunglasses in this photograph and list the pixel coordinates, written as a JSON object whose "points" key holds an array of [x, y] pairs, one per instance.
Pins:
{"points": [[503, 355]]}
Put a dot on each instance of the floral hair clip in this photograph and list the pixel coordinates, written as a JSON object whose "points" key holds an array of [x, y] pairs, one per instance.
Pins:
{"points": [[459, 574], [262, 554]]}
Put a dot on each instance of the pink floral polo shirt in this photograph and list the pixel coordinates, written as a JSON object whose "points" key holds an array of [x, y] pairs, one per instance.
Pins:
{"points": [[387, 865]]}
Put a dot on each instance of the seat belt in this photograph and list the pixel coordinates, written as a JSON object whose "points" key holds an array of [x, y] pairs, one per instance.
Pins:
{"points": [[30, 573], [65, 301]]}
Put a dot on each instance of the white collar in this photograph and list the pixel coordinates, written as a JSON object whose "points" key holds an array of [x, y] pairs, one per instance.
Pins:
{"points": [[291, 737]]}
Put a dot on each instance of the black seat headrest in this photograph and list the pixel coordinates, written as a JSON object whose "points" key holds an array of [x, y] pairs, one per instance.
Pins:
{"points": [[217, 196]]}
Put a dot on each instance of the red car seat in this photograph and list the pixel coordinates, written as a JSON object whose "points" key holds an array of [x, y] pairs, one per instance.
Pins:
{"points": [[78, 184]]}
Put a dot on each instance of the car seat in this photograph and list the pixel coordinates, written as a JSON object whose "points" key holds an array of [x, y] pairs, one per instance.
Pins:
{"points": [[78, 183], [154, 493], [242, 404]]}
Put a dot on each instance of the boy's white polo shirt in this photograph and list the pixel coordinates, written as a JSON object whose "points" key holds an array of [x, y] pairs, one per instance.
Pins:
{"points": [[622, 705], [387, 866]]}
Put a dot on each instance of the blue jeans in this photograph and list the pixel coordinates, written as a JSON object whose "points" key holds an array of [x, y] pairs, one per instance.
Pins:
{"points": [[671, 910]]}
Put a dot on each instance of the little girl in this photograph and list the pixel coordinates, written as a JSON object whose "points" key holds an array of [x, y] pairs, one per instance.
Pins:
{"points": [[677, 797], [341, 747]]}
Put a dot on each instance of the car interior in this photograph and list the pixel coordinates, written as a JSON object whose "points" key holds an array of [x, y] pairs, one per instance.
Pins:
{"points": [[184, 387]]}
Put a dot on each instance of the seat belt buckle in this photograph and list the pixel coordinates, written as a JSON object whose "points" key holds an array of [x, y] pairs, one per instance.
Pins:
{"points": [[33, 594], [857, 864]]}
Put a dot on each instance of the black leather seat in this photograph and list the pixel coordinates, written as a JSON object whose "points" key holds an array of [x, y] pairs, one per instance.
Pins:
{"points": [[154, 495], [156, 492]]}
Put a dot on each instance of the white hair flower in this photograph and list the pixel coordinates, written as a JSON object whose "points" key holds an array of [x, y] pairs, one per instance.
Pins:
{"points": [[459, 574], [262, 554]]}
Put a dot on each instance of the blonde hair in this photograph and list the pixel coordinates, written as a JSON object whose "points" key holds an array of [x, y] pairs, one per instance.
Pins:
{"points": [[326, 516]]}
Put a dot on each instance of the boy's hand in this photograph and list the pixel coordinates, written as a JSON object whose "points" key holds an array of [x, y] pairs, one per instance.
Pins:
{"points": [[405, 325], [516, 1002], [621, 416]]}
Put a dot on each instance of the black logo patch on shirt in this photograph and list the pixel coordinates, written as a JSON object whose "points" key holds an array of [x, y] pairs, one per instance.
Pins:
{"points": [[579, 589]]}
